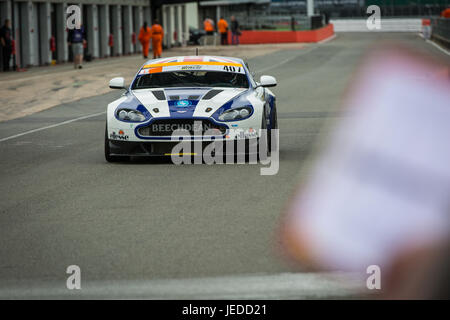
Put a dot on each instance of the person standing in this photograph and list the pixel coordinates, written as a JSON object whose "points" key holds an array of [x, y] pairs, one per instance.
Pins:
{"points": [[157, 35], [235, 32], [144, 37], [77, 40], [222, 25], [208, 25], [6, 43]]}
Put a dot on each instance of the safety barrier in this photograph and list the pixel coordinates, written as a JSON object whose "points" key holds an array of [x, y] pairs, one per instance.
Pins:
{"points": [[260, 36], [388, 24], [441, 31]]}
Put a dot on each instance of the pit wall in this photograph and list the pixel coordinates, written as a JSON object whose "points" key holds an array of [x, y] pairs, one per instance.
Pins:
{"points": [[259, 37]]}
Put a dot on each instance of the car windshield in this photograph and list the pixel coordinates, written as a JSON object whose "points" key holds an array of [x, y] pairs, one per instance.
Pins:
{"points": [[191, 79]]}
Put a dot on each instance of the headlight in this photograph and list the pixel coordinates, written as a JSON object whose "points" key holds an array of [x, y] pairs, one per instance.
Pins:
{"points": [[130, 115], [236, 114]]}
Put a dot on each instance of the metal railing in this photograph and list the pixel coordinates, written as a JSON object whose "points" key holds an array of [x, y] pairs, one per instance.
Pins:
{"points": [[441, 31], [273, 22]]}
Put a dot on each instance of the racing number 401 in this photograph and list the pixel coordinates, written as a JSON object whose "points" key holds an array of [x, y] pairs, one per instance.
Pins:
{"points": [[232, 68]]}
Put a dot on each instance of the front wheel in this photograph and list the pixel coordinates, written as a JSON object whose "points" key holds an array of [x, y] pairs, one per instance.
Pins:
{"points": [[263, 140], [273, 125]]}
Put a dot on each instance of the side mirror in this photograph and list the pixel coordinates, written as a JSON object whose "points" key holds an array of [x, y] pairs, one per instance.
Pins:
{"points": [[267, 81], [117, 83]]}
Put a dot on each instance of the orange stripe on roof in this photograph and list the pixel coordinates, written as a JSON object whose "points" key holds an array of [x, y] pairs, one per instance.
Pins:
{"points": [[210, 63], [155, 70]]}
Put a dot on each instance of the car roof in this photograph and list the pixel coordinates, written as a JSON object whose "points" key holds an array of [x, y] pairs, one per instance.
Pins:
{"points": [[194, 58]]}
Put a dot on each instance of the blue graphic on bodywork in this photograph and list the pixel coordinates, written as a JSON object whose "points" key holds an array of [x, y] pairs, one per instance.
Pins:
{"points": [[183, 103], [237, 102], [184, 112], [132, 103]]}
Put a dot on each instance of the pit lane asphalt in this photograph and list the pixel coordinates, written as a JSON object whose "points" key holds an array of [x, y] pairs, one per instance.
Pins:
{"points": [[62, 204]]}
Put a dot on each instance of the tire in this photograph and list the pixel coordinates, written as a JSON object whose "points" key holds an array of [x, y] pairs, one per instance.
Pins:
{"points": [[263, 156], [108, 155], [273, 125]]}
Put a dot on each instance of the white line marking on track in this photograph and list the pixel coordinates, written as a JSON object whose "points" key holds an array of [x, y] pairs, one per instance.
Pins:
{"points": [[285, 61], [294, 57], [52, 126], [434, 44], [245, 286], [438, 47]]}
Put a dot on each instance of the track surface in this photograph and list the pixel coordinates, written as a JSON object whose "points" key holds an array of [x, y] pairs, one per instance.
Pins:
{"points": [[62, 204]]}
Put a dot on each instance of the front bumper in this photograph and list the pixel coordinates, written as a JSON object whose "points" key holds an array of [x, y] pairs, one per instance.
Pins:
{"points": [[131, 132], [194, 148]]}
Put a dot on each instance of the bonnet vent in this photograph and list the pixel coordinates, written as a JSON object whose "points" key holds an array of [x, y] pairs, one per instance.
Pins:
{"points": [[211, 94], [159, 94]]}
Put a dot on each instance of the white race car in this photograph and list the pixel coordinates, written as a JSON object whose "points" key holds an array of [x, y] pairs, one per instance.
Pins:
{"points": [[203, 97]]}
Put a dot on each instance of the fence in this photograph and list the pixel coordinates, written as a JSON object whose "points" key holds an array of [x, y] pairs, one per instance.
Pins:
{"points": [[387, 25], [279, 22], [441, 31], [357, 8]]}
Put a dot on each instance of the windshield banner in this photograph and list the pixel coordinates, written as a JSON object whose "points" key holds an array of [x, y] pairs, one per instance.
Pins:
{"points": [[194, 66]]}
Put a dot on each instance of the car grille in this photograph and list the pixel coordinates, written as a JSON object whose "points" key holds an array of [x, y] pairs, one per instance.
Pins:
{"points": [[165, 127]]}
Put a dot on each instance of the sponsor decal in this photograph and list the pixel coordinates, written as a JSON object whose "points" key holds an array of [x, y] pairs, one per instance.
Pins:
{"points": [[193, 67], [197, 67], [183, 103], [245, 133], [120, 136], [251, 133], [185, 63], [170, 127]]}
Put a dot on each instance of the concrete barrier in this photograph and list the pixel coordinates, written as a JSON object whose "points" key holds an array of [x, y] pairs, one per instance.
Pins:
{"points": [[263, 36], [387, 25]]}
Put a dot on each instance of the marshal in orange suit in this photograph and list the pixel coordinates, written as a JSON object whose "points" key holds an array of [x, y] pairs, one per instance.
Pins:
{"points": [[157, 38], [144, 37]]}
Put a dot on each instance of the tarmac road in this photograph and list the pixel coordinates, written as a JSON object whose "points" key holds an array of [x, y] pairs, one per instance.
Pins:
{"points": [[142, 225]]}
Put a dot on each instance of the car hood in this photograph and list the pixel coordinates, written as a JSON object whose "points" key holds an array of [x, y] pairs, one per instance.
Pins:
{"points": [[185, 102]]}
